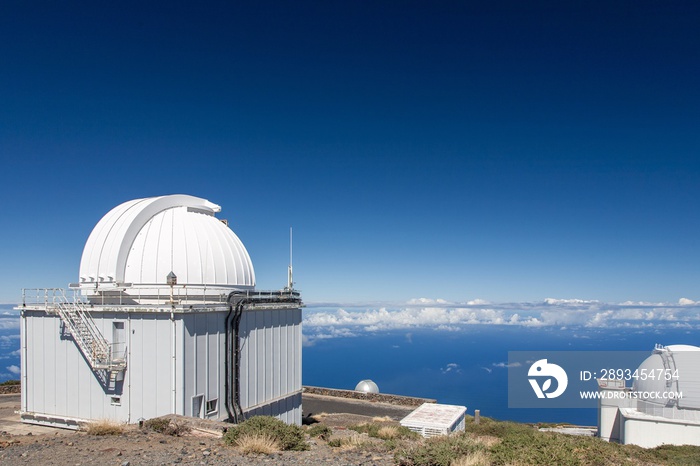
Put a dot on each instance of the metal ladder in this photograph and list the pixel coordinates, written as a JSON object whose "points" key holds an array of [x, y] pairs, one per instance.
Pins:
{"points": [[87, 336]]}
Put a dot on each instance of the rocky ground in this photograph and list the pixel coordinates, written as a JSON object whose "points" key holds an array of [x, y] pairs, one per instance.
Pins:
{"points": [[141, 447], [22, 444], [135, 447]]}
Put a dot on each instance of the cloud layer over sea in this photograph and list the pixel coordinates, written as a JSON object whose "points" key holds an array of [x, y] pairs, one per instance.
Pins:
{"points": [[324, 320]]}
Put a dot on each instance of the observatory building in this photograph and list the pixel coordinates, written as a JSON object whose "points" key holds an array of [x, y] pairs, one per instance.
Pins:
{"points": [[164, 319], [662, 406], [366, 386]]}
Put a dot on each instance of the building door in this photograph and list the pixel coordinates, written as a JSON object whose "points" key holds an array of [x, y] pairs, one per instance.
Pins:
{"points": [[118, 340]]}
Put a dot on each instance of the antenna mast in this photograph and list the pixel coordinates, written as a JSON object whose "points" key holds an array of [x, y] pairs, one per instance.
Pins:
{"points": [[290, 281]]}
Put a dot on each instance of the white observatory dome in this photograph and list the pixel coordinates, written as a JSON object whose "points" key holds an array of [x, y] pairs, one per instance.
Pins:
{"points": [[367, 386], [676, 368], [140, 242]]}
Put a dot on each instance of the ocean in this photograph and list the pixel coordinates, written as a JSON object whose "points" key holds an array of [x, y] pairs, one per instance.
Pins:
{"points": [[467, 366]]}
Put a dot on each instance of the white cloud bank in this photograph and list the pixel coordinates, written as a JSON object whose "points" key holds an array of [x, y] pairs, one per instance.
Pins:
{"points": [[439, 314]]}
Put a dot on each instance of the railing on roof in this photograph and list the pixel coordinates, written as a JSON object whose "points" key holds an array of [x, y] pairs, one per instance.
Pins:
{"points": [[126, 294], [153, 296]]}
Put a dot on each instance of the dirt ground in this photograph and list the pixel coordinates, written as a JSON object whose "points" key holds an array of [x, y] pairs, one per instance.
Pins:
{"points": [[22, 444]]}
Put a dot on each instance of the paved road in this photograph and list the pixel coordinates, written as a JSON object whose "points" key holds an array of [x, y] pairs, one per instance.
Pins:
{"points": [[316, 404]]}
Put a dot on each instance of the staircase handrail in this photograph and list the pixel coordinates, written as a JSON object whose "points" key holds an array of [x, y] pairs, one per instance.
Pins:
{"points": [[91, 339]]}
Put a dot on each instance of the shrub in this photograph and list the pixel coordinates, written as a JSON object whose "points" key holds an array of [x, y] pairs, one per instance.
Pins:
{"points": [[320, 431], [501, 429], [158, 424], [348, 443], [104, 427], [352, 442], [508, 444], [477, 458], [288, 437], [438, 451], [165, 426], [486, 440], [388, 432], [384, 432], [335, 442], [256, 443], [552, 448]]}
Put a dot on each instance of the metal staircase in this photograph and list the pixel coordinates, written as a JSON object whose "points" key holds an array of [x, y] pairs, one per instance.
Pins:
{"points": [[87, 336]]}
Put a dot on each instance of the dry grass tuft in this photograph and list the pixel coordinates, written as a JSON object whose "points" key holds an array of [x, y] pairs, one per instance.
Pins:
{"points": [[104, 427], [382, 419], [257, 443], [477, 458], [388, 432], [487, 440], [350, 443]]}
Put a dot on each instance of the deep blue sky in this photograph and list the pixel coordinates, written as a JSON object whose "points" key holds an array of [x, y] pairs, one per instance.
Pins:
{"points": [[509, 151]]}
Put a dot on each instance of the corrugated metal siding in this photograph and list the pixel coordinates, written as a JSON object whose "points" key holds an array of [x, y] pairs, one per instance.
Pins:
{"points": [[271, 362], [203, 361], [287, 409], [149, 365], [60, 383]]}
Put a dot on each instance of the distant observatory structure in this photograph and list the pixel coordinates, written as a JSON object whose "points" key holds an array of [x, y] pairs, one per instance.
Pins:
{"points": [[164, 319], [366, 386], [651, 412]]}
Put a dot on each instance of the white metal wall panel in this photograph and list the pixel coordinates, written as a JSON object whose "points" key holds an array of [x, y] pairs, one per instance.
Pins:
{"points": [[271, 362], [189, 344], [285, 384], [249, 363], [59, 383], [180, 367], [203, 361], [277, 376], [296, 315], [287, 409], [149, 364], [200, 359], [264, 356], [214, 345]]}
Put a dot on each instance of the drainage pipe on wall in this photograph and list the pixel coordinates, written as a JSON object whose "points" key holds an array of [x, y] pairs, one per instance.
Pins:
{"points": [[232, 362]]}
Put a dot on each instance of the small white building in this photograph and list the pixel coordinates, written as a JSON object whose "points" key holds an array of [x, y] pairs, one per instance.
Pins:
{"points": [[651, 412], [432, 419], [164, 319]]}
